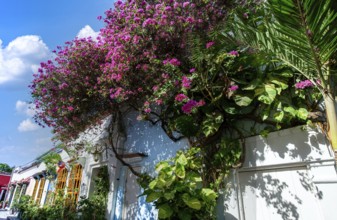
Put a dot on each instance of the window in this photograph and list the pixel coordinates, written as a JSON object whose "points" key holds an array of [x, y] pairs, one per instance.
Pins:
{"points": [[61, 180], [11, 191], [50, 195], [24, 189], [40, 191], [35, 188], [17, 193], [74, 183]]}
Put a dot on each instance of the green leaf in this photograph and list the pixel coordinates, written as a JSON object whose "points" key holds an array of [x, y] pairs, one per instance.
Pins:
{"points": [[252, 85], [191, 202], [194, 177], [242, 100], [264, 133], [302, 113], [278, 116], [185, 215], [265, 114], [208, 195], [152, 196], [186, 125], [268, 94], [290, 110], [161, 182], [182, 159], [153, 184], [169, 195], [246, 110], [230, 110], [161, 165], [180, 171], [212, 123], [280, 83], [164, 211], [286, 73], [170, 179]]}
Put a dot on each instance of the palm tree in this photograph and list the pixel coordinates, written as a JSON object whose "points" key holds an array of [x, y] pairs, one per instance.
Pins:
{"points": [[301, 34]]}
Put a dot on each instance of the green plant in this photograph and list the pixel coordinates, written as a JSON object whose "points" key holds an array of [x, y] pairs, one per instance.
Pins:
{"points": [[51, 160], [301, 34], [29, 210], [94, 207], [177, 191], [5, 168]]}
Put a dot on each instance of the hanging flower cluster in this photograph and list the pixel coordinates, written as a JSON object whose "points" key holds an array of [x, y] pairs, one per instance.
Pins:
{"points": [[140, 54], [143, 39], [63, 89]]}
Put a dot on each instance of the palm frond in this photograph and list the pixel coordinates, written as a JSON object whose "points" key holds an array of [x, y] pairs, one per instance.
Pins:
{"points": [[301, 33]]}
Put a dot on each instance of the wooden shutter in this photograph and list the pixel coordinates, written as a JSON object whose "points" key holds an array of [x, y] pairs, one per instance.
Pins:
{"points": [[74, 183], [40, 191], [35, 188], [61, 180]]}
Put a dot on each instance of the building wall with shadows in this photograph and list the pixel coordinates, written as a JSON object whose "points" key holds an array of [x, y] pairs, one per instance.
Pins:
{"points": [[146, 139], [288, 175]]}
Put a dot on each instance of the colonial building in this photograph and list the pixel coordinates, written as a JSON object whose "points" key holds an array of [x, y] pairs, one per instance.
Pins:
{"points": [[140, 145], [4, 181], [34, 180], [283, 176]]}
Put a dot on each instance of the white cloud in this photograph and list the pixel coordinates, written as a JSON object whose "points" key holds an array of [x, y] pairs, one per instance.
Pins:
{"points": [[27, 125], [87, 31], [20, 57], [25, 108]]}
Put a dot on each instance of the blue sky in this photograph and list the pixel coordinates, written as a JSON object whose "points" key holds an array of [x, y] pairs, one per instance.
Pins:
{"points": [[29, 31]]}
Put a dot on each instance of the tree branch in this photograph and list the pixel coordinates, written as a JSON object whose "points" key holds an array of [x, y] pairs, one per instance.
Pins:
{"points": [[111, 142]]}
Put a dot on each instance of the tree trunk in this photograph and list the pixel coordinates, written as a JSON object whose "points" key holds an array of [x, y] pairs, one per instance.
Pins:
{"points": [[330, 108]]}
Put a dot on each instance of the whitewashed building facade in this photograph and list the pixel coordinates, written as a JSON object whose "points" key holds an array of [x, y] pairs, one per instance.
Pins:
{"points": [[290, 174]]}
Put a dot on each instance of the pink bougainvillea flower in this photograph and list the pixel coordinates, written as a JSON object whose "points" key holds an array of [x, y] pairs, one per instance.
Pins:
{"points": [[233, 88], [201, 103], [159, 101], [175, 62], [124, 58], [192, 70], [70, 108], [190, 19], [165, 62], [186, 82], [210, 44], [304, 84], [181, 97], [234, 53], [188, 107]]}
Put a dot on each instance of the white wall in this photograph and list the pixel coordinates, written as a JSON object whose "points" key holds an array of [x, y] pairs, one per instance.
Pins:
{"points": [[142, 137], [288, 175], [150, 139]]}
